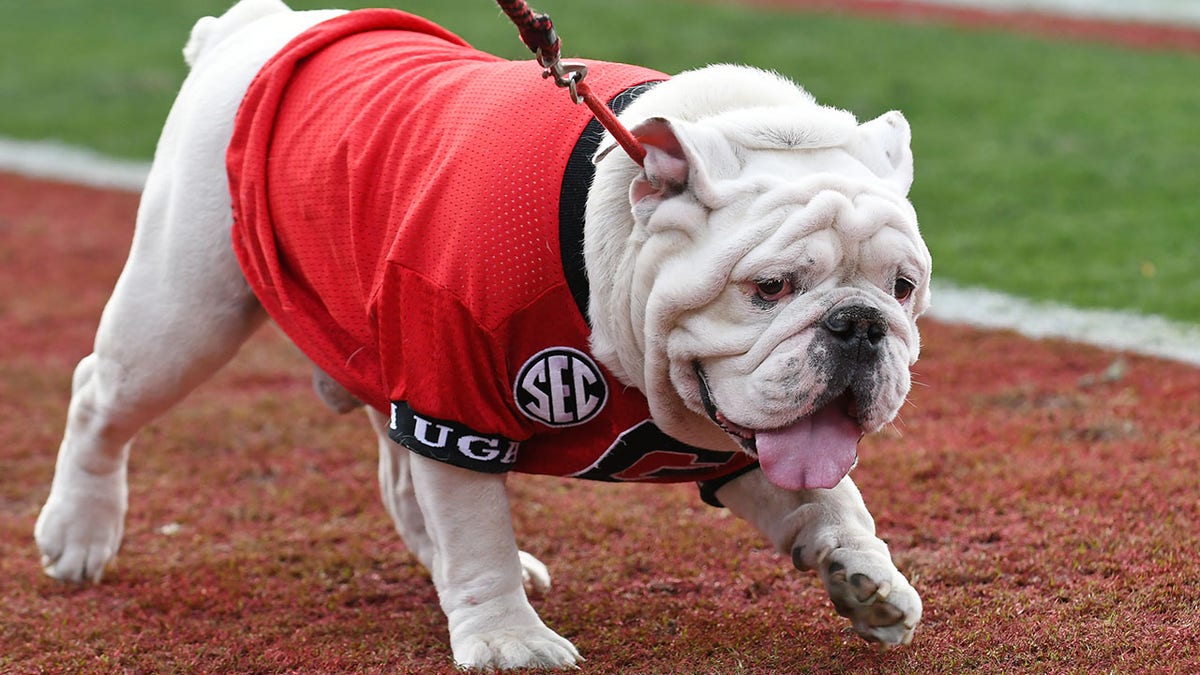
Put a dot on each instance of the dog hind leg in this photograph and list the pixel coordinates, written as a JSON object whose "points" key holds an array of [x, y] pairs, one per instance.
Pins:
{"points": [[168, 326], [181, 307]]}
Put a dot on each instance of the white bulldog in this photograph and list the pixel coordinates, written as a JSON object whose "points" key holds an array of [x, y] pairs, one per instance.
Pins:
{"points": [[758, 282]]}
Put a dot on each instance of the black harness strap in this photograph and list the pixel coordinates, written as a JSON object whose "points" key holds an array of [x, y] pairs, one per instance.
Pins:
{"points": [[572, 198]]}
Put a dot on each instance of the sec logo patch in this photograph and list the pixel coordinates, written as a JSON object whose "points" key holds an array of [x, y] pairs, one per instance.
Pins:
{"points": [[560, 387]]}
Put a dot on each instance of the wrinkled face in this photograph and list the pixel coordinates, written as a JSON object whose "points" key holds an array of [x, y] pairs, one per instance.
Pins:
{"points": [[808, 344], [781, 304]]}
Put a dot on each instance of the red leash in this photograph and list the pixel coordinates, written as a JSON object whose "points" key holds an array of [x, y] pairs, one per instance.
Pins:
{"points": [[537, 32]]}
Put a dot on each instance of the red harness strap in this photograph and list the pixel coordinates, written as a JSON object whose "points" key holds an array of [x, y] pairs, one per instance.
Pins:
{"points": [[537, 32]]}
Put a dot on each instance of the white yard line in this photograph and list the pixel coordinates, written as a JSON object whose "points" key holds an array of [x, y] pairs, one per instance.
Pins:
{"points": [[1110, 329], [1178, 12], [57, 161], [1123, 331]]}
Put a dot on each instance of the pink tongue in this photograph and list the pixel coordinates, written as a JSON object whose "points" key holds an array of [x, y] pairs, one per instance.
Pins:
{"points": [[816, 452]]}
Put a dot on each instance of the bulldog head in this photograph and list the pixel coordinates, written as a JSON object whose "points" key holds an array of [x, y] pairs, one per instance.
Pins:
{"points": [[764, 290]]}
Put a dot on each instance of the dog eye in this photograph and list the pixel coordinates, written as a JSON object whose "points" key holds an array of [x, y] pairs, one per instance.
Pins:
{"points": [[771, 290], [903, 289]]}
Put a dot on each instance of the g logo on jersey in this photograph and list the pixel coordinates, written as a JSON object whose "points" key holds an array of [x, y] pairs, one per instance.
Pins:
{"points": [[560, 387]]}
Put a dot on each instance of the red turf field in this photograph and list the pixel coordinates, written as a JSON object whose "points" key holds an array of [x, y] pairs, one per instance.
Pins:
{"points": [[1042, 495]]}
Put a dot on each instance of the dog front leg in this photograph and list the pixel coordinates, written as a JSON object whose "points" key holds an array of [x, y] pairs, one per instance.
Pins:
{"points": [[477, 571], [832, 532]]}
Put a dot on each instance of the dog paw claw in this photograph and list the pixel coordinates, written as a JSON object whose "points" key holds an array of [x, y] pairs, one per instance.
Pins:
{"points": [[867, 589], [822, 555]]}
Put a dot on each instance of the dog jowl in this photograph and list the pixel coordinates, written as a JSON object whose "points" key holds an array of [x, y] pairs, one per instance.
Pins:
{"points": [[738, 311]]}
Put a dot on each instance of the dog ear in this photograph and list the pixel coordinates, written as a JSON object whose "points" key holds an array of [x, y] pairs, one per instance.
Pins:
{"points": [[666, 167], [884, 145]]}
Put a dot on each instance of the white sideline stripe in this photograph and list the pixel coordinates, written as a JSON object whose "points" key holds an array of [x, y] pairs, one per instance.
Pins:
{"points": [[1122, 331], [1110, 329], [1167, 12], [61, 162]]}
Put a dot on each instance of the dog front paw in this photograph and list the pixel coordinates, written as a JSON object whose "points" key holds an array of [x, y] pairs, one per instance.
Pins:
{"points": [[515, 647], [80, 527], [506, 633], [866, 588]]}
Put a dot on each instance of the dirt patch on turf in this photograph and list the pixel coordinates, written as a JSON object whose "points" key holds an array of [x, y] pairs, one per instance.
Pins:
{"points": [[1042, 495]]}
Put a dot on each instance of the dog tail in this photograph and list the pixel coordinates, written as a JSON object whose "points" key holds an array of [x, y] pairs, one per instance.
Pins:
{"points": [[210, 30]]}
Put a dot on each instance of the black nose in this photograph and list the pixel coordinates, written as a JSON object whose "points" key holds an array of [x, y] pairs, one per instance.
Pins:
{"points": [[857, 329]]}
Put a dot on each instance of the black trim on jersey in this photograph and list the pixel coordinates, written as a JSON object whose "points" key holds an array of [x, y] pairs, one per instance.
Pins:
{"points": [[572, 198], [450, 442], [646, 453], [708, 488]]}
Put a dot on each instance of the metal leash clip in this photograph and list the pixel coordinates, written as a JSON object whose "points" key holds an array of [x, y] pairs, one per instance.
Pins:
{"points": [[537, 32], [566, 74]]}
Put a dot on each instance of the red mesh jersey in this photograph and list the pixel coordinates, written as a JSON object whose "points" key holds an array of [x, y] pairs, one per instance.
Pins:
{"points": [[396, 207]]}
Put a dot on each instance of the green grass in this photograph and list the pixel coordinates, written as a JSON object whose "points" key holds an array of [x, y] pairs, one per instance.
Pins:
{"points": [[1052, 170]]}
